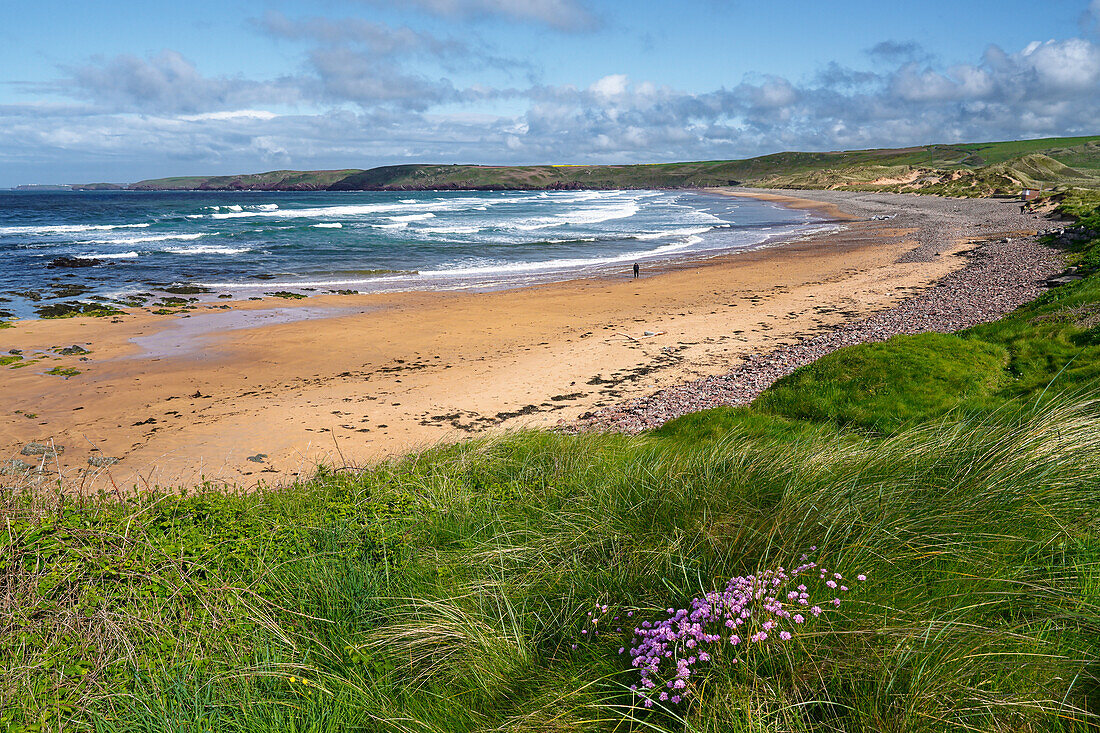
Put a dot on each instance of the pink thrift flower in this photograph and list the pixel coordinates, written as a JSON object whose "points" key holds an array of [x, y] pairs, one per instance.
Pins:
{"points": [[861, 577], [785, 635], [798, 618]]}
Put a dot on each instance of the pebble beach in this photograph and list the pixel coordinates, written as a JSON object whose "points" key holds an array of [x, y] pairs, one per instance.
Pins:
{"points": [[1000, 275]]}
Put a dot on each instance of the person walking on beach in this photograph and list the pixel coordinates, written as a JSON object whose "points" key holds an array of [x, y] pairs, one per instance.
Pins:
{"points": [[636, 269]]}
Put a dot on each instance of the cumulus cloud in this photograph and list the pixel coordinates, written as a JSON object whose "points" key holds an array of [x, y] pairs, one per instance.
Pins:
{"points": [[345, 75], [347, 62], [562, 15], [354, 111], [377, 38], [167, 82]]}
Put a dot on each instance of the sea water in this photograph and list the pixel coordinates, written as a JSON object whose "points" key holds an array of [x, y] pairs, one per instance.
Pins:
{"points": [[251, 243]]}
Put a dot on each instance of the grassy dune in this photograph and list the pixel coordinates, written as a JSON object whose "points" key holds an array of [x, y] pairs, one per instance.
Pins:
{"points": [[452, 590], [978, 169]]}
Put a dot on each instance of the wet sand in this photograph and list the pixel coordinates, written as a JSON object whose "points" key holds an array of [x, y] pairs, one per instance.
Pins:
{"points": [[262, 391]]}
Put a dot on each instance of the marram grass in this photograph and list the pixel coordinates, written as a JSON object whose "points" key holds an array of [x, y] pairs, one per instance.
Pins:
{"points": [[447, 591]]}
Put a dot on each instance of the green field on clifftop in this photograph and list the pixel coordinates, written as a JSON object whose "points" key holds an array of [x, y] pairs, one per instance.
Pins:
{"points": [[973, 169]]}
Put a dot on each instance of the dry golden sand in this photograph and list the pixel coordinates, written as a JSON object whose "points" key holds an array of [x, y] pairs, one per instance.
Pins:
{"points": [[181, 400]]}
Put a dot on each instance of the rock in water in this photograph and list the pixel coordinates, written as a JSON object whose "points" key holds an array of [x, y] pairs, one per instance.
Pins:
{"points": [[73, 262]]}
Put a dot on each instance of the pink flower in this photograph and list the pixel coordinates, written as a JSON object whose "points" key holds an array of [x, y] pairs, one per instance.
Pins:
{"points": [[798, 618], [861, 577], [785, 635]]}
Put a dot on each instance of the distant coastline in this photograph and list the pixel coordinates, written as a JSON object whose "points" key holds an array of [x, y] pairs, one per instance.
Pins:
{"points": [[970, 169]]}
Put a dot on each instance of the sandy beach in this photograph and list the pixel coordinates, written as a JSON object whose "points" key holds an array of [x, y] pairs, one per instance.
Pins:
{"points": [[261, 391]]}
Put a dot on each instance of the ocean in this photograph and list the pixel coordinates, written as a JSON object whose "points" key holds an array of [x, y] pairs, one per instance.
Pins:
{"points": [[247, 244]]}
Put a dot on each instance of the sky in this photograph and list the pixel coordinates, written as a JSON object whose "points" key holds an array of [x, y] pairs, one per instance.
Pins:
{"points": [[124, 90]]}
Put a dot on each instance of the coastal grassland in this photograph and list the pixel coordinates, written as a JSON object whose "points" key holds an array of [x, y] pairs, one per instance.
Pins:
{"points": [[971, 169], [1048, 346], [449, 590], [445, 592], [282, 180]]}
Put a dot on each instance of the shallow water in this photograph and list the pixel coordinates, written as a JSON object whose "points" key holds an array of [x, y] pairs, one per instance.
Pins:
{"points": [[256, 242], [192, 335]]}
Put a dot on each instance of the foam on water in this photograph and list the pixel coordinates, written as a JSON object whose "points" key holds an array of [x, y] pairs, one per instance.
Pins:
{"points": [[151, 238], [66, 228], [114, 255], [412, 217], [437, 240], [687, 232], [207, 250]]}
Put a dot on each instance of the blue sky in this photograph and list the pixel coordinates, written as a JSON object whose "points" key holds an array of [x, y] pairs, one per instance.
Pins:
{"points": [[124, 90]]}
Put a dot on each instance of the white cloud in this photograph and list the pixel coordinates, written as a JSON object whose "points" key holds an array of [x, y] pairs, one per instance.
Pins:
{"points": [[239, 114], [160, 114], [563, 15], [612, 85], [169, 82], [1073, 64]]}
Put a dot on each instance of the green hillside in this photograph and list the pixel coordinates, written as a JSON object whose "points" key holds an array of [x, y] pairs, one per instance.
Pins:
{"points": [[974, 169], [271, 181]]}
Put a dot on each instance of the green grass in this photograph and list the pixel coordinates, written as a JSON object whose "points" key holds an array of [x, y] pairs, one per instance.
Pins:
{"points": [[989, 168], [445, 591], [884, 386]]}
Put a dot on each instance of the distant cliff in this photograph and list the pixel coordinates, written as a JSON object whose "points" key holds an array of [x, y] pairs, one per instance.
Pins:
{"points": [[976, 169], [271, 181]]}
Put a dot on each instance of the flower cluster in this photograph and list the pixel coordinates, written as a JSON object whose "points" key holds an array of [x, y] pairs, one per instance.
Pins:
{"points": [[767, 608]]}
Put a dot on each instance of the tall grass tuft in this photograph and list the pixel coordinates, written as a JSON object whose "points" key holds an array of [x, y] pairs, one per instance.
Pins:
{"points": [[449, 591]]}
